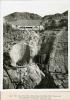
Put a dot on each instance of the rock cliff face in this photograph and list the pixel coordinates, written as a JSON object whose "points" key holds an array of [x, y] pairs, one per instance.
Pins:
{"points": [[54, 60], [58, 57], [58, 61]]}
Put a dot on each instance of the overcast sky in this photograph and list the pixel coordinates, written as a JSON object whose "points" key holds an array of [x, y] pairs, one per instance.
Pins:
{"points": [[41, 7]]}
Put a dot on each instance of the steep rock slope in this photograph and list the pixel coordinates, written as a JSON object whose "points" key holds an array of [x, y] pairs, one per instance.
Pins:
{"points": [[58, 56], [58, 61]]}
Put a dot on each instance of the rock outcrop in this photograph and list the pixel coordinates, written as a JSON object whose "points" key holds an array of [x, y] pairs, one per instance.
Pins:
{"points": [[28, 76]]}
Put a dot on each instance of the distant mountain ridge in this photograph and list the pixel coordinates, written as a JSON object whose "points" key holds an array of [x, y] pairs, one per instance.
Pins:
{"points": [[56, 20], [24, 16], [56, 16], [31, 16]]}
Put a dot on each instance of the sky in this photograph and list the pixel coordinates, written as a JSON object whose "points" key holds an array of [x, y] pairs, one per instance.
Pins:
{"points": [[41, 7]]}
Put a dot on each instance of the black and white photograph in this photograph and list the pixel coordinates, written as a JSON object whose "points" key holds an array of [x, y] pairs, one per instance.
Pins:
{"points": [[35, 46]]}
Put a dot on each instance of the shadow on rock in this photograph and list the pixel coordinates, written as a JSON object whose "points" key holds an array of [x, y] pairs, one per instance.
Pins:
{"points": [[47, 82]]}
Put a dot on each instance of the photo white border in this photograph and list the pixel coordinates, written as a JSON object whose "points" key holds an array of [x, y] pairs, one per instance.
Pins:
{"points": [[1, 46]]}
